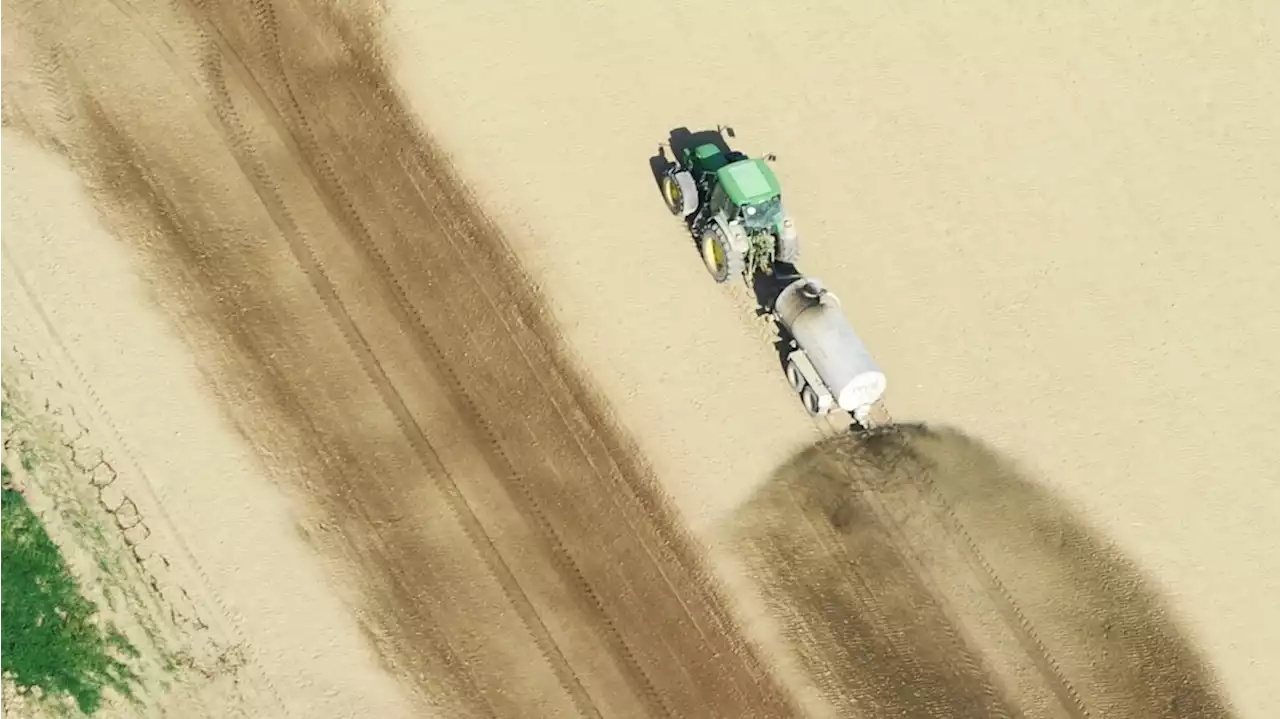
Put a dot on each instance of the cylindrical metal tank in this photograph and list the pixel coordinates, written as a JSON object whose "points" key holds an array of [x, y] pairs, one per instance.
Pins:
{"points": [[813, 317]]}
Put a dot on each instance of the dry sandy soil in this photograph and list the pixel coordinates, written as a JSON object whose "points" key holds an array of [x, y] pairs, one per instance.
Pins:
{"points": [[388, 465]]}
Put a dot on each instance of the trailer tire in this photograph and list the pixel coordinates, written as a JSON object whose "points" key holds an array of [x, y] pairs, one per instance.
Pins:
{"points": [[810, 399], [795, 377]]}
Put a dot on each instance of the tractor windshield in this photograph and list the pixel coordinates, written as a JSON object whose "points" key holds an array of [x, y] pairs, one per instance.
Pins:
{"points": [[762, 215]]}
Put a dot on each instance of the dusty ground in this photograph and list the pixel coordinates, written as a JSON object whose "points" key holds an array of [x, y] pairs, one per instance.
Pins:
{"points": [[478, 516], [372, 339], [1051, 225]]}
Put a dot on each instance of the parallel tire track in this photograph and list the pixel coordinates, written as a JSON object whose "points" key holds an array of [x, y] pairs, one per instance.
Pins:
{"points": [[603, 461], [280, 214], [53, 76], [264, 13], [931, 603], [240, 144], [424, 337], [1015, 619]]}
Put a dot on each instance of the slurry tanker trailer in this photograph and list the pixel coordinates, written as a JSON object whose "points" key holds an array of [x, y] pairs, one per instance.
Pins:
{"points": [[828, 364]]}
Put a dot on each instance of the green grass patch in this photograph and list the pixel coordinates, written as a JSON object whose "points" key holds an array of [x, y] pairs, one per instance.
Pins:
{"points": [[27, 457], [50, 637]]}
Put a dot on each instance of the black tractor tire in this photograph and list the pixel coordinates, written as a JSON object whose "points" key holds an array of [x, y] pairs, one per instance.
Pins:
{"points": [[680, 192], [719, 257]]}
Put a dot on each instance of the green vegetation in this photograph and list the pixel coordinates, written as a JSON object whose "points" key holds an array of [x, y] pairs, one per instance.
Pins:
{"points": [[27, 458], [51, 635]]}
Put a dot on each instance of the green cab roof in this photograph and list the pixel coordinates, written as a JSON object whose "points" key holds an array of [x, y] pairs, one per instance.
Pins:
{"points": [[748, 181], [710, 157]]}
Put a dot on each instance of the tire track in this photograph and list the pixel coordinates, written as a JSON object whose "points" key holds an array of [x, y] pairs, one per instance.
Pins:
{"points": [[169, 213], [1015, 619], [344, 208], [240, 145], [907, 635], [893, 519], [129, 457], [359, 230], [721, 674], [53, 76], [472, 694], [836, 490]]}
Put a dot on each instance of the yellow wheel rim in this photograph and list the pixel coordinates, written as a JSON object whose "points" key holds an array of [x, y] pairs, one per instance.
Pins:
{"points": [[714, 255], [673, 192]]}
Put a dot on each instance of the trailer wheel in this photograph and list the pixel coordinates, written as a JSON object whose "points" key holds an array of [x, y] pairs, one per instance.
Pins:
{"points": [[795, 376], [810, 399]]}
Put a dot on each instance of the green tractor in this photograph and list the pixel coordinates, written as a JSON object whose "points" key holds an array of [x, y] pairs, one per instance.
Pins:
{"points": [[733, 205]]}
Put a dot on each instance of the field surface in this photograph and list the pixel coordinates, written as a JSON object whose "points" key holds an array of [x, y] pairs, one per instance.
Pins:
{"points": [[362, 337]]}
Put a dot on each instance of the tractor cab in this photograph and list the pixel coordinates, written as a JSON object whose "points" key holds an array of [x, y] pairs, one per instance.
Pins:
{"points": [[751, 192], [709, 158]]}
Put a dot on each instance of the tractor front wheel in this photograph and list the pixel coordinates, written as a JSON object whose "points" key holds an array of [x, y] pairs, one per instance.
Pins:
{"points": [[721, 259], [680, 192]]}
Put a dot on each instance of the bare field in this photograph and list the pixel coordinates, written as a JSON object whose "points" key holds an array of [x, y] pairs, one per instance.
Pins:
{"points": [[359, 318], [1051, 224], [238, 249]]}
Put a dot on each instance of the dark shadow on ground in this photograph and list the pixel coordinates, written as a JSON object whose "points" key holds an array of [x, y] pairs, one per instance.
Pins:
{"points": [[681, 140], [918, 573], [766, 288]]}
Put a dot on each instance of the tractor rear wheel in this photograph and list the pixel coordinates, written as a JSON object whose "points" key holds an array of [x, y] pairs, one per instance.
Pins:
{"points": [[680, 192], [721, 259]]}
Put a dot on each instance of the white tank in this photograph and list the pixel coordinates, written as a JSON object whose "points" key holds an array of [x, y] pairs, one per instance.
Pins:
{"points": [[813, 317]]}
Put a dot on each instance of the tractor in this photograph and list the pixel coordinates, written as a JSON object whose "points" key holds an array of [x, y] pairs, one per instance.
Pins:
{"points": [[733, 206]]}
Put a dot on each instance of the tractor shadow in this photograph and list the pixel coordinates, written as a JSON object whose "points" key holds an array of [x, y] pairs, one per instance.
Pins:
{"points": [[766, 288], [680, 140]]}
